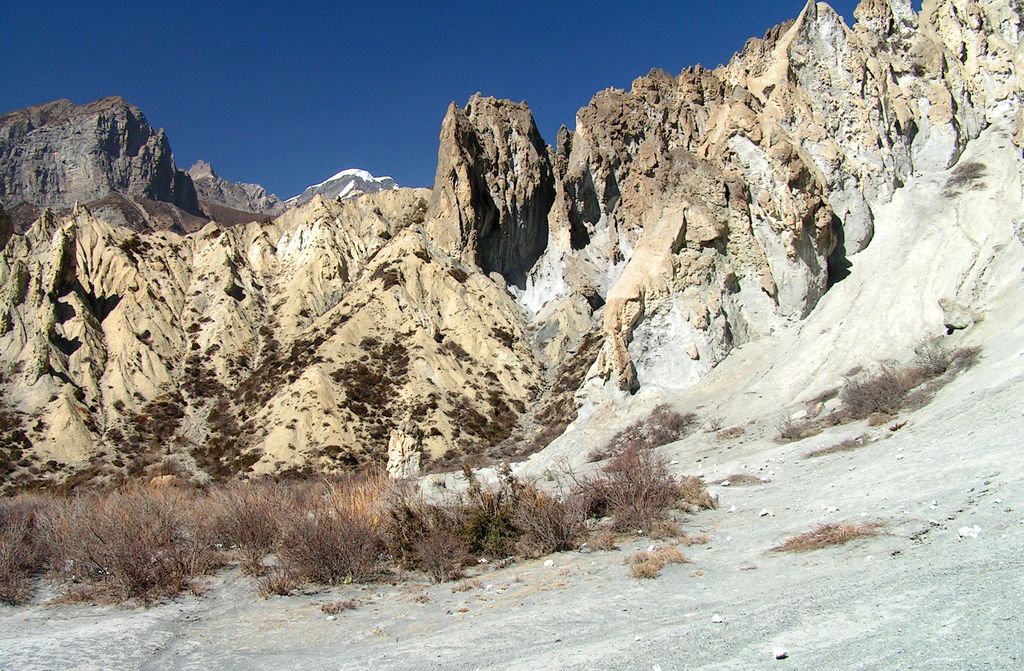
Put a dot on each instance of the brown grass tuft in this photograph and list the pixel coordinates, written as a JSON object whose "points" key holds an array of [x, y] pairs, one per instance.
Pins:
{"points": [[335, 607], [649, 564], [846, 446], [828, 535]]}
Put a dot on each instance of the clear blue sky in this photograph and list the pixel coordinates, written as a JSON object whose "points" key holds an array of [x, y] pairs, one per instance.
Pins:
{"points": [[287, 93]]}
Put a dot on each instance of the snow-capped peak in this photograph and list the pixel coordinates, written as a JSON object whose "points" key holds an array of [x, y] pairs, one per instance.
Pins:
{"points": [[349, 183]]}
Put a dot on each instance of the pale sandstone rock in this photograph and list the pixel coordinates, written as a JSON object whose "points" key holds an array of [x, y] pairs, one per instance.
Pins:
{"points": [[685, 217]]}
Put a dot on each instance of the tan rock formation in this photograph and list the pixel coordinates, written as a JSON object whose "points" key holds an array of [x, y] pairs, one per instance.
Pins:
{"points": [[681, 218]]}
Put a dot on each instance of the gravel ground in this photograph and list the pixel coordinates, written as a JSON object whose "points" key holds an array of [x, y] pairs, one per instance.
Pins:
{"points": [[918, 596]]}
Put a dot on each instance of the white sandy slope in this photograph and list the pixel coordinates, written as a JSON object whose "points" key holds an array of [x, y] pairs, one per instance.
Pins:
{"points": [[919, 596]]}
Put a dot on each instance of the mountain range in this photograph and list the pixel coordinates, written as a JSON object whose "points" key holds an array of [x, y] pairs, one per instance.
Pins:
{"points": [[538, 292]]}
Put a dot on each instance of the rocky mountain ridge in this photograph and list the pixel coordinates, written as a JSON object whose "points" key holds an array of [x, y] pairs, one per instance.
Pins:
{"points": [[686, 218], [212, 188], [58, 154]]}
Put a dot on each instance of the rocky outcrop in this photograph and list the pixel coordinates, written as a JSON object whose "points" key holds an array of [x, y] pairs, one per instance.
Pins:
{"points": [[60, 153], [719, 203], [494, 187], [211, 188]]}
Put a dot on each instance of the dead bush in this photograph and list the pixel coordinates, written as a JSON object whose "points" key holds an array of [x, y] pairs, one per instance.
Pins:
{"points": [[246, 515], [648, 565], [549, 523], [335, 538], [663, 426], [636, 490], [22, 554], [138, 542], [828, 535]]}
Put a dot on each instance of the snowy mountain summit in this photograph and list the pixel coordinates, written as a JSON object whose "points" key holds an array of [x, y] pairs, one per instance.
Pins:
{"points": [[345, 185]]}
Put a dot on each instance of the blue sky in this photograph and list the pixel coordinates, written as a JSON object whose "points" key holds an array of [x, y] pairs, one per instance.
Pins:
{"points": [[286, 94]]}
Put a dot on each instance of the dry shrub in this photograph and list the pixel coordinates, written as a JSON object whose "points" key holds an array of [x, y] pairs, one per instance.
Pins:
{"points": [[828, 535], [649, 564], [422, 536], [663, 426], [636, 490], [603, 539], [549, 523], [336, 537], [278, 582], [246, 515], [335, 607], [138, 542], [22, 554]]}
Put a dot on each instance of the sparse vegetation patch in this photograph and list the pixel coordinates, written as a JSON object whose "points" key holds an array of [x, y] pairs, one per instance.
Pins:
{"points": [[828, 535]]}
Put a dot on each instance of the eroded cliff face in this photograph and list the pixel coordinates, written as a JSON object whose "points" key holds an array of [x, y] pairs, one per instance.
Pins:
{"points": [[678, 220], [301, 344], [715, 204], [59, 154]]}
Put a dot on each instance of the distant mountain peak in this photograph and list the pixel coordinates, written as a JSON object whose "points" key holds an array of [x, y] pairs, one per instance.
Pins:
{"points": [[346, 184], [243, 197]]}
